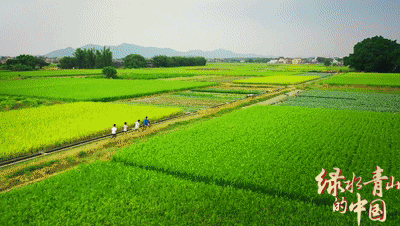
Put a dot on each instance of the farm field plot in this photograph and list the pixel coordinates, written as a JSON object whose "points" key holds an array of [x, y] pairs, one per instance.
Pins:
{"points": [[281, 152], [106, 193], [189, 101], [347, 100], [208, 78], [321, 75], [238, 88], [92, 89], [17, 102], [222, 69], [44, 73], [155, 73], [372, 79], [28, 130], [279, 80]]}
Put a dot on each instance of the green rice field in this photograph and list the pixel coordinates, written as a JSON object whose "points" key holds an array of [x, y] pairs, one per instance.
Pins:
{"points": [[278, 80], [226, 171], [362, 101], [371, 79], [226, 69], [28, 130], [244, 163], [125, 195], [49, 73], [92, 89]]}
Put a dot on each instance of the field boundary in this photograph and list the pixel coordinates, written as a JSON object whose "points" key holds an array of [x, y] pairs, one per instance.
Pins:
{"points": [[77, 144]]}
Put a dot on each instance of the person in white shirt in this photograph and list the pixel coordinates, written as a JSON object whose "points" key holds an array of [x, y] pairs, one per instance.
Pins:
{"points": [[125, 128], [114, 131], [137, 125]]}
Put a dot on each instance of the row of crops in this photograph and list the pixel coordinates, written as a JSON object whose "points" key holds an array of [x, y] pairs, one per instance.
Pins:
{"points": [[278, 80], [56, 73], [92, 89], [362, 101], [254, 166], [292, 141], [209, 69], [371, 79], [28, 130], [189, 101], [116, 194]]}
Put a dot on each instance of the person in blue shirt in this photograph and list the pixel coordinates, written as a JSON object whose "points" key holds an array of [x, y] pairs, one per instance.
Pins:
{"points": [[146, 123]]}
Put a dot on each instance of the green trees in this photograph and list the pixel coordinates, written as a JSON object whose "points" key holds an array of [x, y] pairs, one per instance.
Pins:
{"points": [[67, 62], [135, 61], [88, 58], [328, 62], [375, 54], [110, 72], [177, 61], [25, 63]]}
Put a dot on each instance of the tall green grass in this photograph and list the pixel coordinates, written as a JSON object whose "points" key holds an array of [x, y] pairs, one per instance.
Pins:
{"points": [[92, 89]]}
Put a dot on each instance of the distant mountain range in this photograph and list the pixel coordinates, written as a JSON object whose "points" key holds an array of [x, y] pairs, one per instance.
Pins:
{"points": [[123, 50]]}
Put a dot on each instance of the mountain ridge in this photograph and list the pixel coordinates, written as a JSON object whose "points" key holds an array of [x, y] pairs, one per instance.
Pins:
{"points": [[124, 49]]}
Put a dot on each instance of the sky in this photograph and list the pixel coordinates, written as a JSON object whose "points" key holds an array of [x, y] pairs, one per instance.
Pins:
{"points": [[289, 28]]}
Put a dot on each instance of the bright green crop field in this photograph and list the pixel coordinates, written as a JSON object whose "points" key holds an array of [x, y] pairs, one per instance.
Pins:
{"points": [[255, 166], [28, 130], [281, 150], [227, 69], [362, 101], [278, 80], [92, 89], [155, 73], [116, 194], [49, 73], [371, 79]]}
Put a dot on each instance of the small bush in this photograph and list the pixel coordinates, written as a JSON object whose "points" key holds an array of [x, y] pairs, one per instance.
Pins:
{"points": [[110, 72], [82, 154]]}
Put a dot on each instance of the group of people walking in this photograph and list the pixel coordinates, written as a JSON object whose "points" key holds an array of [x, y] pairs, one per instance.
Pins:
{"points": [[146, 124]]}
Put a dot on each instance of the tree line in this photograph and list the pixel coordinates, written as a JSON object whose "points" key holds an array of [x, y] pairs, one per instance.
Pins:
{"points": [[138, 61], [87, 59], [25, 62]]}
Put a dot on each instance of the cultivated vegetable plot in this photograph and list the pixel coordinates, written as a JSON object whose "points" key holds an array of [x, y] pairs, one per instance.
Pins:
{"points": [[189, 101], [92, 89], [28, 130], [347, 100], [281, 150], [373, 79], [112, 193], [278, 80]]}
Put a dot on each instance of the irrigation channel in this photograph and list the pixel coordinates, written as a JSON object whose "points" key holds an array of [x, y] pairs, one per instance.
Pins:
{"points": [[85, 142]]}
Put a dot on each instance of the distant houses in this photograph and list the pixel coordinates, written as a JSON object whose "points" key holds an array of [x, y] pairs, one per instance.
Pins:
{"points": [[4, 59], [53, 60]]}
